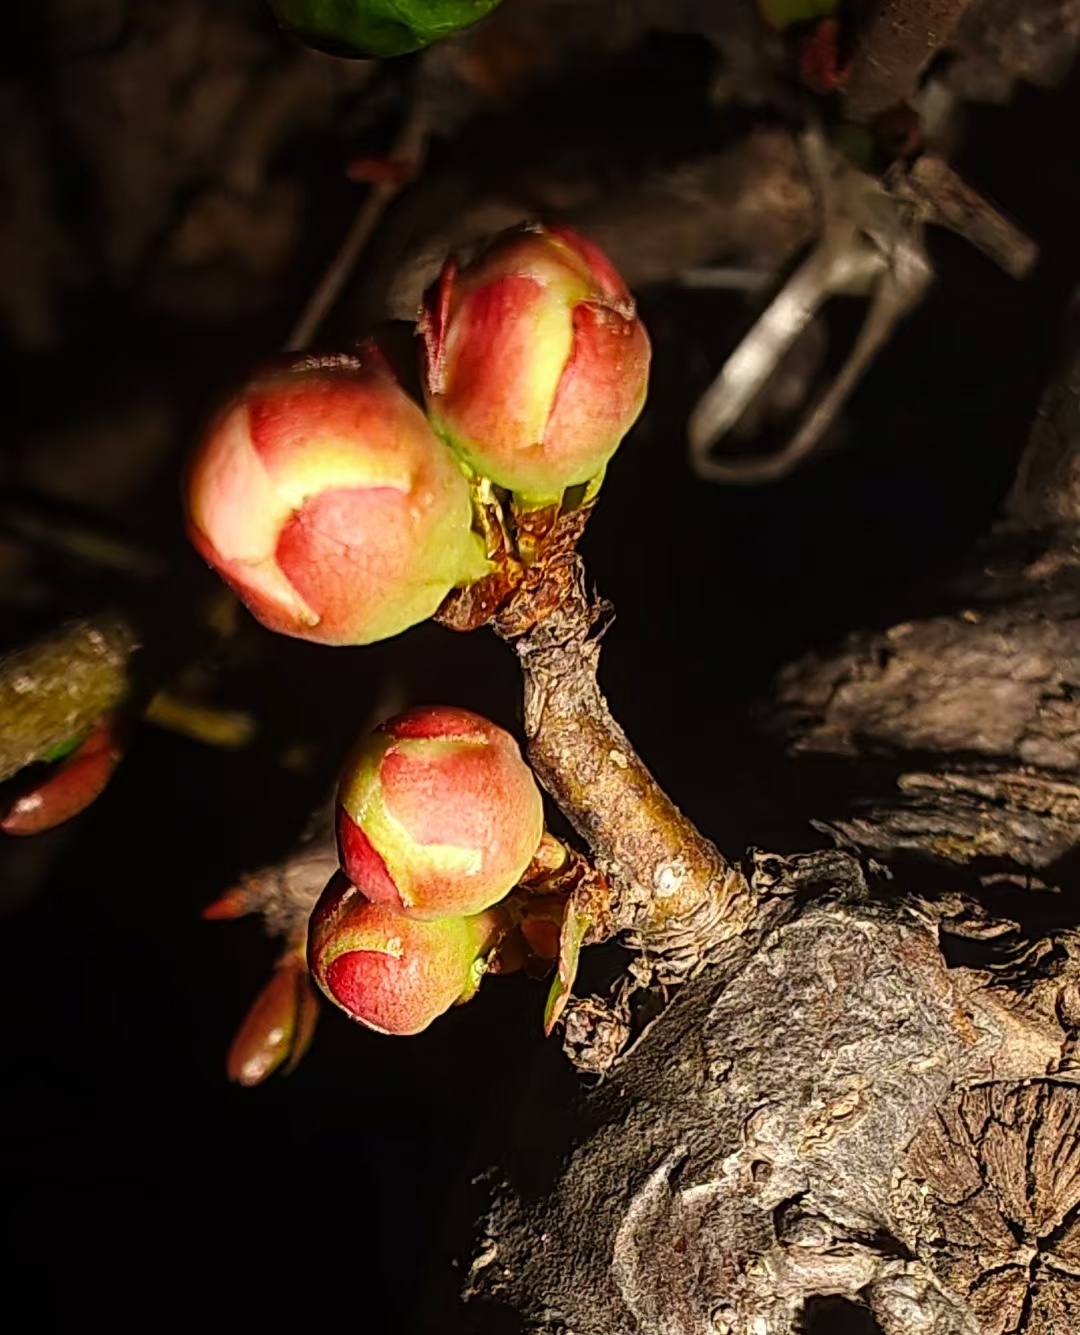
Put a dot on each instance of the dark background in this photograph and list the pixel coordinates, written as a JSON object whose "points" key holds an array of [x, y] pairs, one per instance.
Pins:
{"points": [[139, 1185]]}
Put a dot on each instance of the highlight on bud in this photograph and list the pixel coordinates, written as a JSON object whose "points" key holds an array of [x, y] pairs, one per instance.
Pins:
{"points": [[392, 973], [535, 363], [437, 813], [324, 500]]}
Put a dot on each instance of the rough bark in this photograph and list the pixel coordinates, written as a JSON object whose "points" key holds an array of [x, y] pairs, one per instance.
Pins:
{"points": [[868, 1093], [172, 120], [752, 1149], [839, 1101], [751, 204], [973, 709], [896, 43], [1009, 1239]]}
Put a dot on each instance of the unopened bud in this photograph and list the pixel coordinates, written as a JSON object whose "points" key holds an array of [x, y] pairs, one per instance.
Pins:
{"points": [[392, 973], [535, 362], [76, 781], [325, 501], [438, 815]]}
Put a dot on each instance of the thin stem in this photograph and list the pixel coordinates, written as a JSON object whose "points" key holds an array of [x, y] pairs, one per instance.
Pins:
{"points": [[408, 148]]}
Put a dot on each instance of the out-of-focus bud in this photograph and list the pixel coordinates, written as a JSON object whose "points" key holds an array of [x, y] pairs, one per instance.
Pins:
{"points": [[367, 28], [392, 973], [437, 813], [274, 889], [325, 501], [783, 13], [236, 902], [535, 363], [75, 782], [279, 1026]]}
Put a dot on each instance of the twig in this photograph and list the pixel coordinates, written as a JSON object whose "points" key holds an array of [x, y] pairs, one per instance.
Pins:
{"points": [[408, 148], [81, 541], [949, 201], [674, 891], [57, 688]]}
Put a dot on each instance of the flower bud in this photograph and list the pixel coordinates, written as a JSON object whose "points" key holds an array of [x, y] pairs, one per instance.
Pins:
{"points": [[392, 973], [438, 814], [366, 28], [535, 363], [279, 1026], [323, 499]]}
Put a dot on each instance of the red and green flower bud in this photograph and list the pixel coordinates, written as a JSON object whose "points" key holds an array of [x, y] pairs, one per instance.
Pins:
{"points": [[322, 497], [392, 973], [279, 1026], [438, 814], [535, 363]]}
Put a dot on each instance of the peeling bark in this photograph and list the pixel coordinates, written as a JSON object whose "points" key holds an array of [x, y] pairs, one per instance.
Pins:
{"points": [[895, 45], [991, 1190]]}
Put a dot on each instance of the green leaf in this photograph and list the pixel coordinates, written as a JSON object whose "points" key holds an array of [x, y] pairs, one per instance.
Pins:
{"points": [[64, 749], [366, 28], [575, 926]]}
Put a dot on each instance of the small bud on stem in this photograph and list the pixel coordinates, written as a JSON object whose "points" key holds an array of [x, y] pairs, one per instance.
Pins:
{"points": [[76, 781], [535, 363], [392, 973], [279, 1026], [438, 815]]}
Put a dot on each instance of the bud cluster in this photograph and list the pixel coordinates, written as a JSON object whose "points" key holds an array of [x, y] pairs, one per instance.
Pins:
{"points": [[438, 817], [340, 511]]}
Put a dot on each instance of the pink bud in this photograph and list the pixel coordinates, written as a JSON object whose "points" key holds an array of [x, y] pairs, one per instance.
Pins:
{"points": [[392, 973], [535, 362], [438, 814], [323, 499]]}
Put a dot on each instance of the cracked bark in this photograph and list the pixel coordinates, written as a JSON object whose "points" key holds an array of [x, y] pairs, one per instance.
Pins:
{"points": [[868, 1092]]}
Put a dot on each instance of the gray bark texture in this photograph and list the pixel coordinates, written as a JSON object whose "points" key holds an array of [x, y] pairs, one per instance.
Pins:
{"points": [[974, 711], [867, 1092]]}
